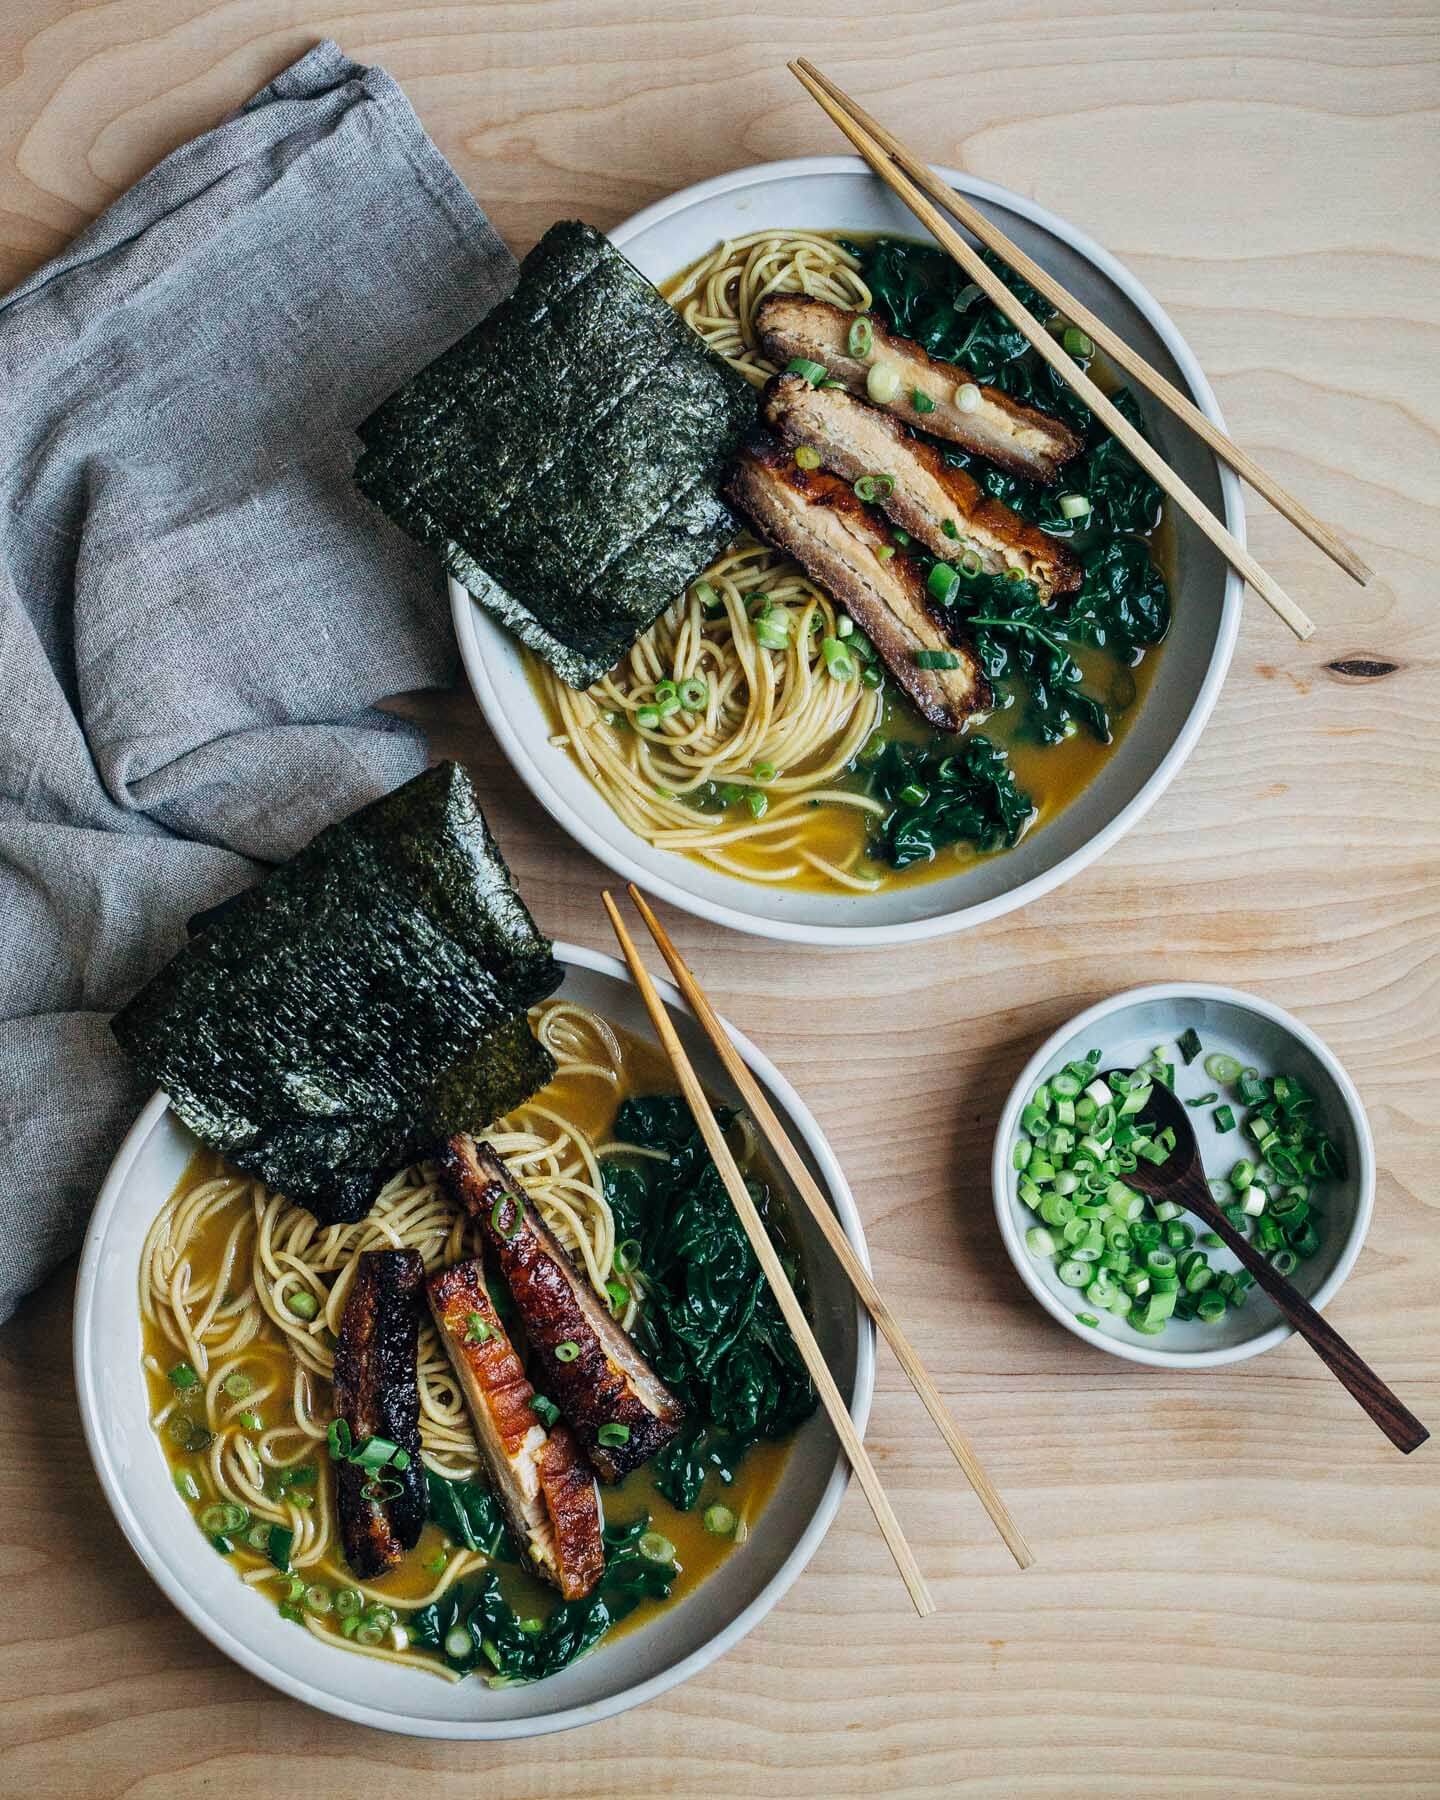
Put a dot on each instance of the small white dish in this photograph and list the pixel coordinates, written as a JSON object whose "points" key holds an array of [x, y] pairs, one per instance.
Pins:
{"points": [[838, 193], [654, 1654], [1125, 1029]]}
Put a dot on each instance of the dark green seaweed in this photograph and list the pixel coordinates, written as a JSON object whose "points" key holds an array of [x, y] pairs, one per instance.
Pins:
{"points": [[366, 999], [565, 456]]}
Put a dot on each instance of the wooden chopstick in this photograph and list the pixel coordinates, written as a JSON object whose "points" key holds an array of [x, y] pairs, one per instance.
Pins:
{"points": [[830, 1394], [1114, 346], [790, 1160], [1148, 458]]}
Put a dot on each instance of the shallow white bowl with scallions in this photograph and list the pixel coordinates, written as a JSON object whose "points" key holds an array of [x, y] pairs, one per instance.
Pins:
{"points": [[1235, 1032]]}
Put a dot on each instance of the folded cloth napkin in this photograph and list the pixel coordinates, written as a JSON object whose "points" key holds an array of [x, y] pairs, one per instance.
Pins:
{"points": [[197, 610]]}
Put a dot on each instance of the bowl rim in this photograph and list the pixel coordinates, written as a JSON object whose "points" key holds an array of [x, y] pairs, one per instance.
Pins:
{"points": [[215, 1628], [1029, 1077], [755, 921]]}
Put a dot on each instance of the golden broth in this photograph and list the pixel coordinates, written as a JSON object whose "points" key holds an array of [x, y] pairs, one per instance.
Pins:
{"points": [[587, 1103]]}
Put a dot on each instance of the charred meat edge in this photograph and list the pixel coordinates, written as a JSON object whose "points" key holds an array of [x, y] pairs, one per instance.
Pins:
{"points": [[608, 1381], [815, 517], [853, 439], [541, 1477], [377, 1394], [1016, 437]]}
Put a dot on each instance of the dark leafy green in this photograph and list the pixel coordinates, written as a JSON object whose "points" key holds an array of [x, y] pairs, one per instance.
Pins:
{"points": [[710, 1326], [969, 795], [501, 1647], [469, 1515], [928, 297]]}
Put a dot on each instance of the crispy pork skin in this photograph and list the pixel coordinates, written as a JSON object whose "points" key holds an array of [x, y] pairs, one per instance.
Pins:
{"points": [[815, 517], [854, 439], [541, 1477], [603, 1381], [377, 1394], [1016, 437]]}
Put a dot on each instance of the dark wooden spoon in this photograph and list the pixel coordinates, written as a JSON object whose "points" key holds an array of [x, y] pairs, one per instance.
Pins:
{"points": [[1181, 1178]]}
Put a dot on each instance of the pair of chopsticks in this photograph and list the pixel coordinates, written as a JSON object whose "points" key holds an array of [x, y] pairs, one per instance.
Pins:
{"points": [[913, 181], [775, 1135]]}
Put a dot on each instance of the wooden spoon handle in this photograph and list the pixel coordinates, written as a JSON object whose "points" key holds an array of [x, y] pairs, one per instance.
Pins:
{"points": [[1393, 1417]]}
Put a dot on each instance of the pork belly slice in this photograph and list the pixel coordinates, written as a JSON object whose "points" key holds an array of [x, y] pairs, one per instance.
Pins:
{"points": [[604, 1381], [854, 438], [377, 1394], [815, 517], [541, 1477], [1019, 438]]}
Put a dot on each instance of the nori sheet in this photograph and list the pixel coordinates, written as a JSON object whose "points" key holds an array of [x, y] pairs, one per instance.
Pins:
{"points": [[566, 455], [366, 1000]]}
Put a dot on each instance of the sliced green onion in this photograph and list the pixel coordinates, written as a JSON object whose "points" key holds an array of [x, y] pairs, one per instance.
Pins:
{"points": [[921, 401], [497, 1216], [707, 597], [225, 1518], [182, 1376], [839, 663], [936, 659], [806, 456], [862, 337], [251, 1421], [764, 771], [884, 552], [612, 1434], [1224, 1119], [813, 372], [719, 1521], [567, 1352], [318, 1601], [188, 1488], [1188, 1043], [758, 804], [349, 1602], [239, 1385], [912, 794], [772, 628], [477, 1328], [647, 718], [902, 538], [871, 676], [545, 1409], [1074, 506], [694, 693], [967, 397], [941, 583], [617, 1291], [844, 626], [459, 1645], [1076, 343], [1222, 1068], [655, 1547], [882, 383], [627, 1255]]}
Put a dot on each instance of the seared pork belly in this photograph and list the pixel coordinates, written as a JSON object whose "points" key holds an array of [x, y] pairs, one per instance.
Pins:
{"points": [[612, 1399], [1016, 437], [854, 439], [540, 1477], [377, 1394], [815, 517]]}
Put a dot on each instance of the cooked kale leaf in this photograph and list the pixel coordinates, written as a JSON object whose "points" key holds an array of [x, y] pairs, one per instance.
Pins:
{"points": [[944, 793], [710, 1325], [927, 296]]}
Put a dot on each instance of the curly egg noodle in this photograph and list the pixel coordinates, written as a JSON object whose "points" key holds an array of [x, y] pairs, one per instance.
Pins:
{"points": [[226, 1259], [764, 709]]}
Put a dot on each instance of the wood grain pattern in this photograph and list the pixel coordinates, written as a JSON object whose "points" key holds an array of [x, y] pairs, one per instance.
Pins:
{"points": [[1236, 1591]]}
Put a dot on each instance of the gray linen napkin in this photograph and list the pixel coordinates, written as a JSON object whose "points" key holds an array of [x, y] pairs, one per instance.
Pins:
{"points": [[197, 610]]}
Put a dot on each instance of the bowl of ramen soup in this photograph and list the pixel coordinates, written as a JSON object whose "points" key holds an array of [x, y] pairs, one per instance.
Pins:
{"points": [[958, 645], [225, 1339]]}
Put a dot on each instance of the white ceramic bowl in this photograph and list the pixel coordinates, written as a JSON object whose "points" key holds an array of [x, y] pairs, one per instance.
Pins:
{"points": [[839, 193], [654, 1655], [1126, 1028]]}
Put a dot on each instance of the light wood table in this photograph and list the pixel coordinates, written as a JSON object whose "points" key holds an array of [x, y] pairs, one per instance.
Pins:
{"points": [[1237, 1577]]}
